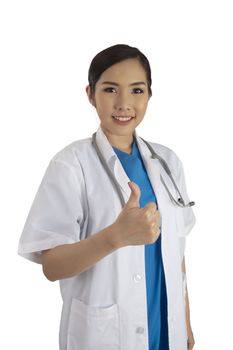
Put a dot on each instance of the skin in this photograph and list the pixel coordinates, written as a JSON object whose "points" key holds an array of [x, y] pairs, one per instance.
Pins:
{"points": [[123, 98], [191, 340]]}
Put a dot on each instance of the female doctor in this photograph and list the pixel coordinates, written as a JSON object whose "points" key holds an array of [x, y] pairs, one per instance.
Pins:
{"points": [[103, 223]]}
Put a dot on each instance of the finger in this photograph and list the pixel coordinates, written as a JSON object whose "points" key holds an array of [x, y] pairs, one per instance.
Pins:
{"points": [[151, 206], [133, 201]]}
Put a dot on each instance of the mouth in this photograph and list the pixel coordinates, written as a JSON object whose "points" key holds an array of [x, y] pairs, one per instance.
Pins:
{"points": [[122, 120]]}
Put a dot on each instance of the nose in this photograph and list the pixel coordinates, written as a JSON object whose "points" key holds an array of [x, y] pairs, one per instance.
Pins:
{"points": [[123, 102]]}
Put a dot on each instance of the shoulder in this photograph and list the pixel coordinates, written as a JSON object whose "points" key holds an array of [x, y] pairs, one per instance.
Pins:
{"points": [[71, 153]]}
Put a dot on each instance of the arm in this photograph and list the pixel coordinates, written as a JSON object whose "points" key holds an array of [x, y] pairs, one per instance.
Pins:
{"points": [[71, 259], [187, 313]]}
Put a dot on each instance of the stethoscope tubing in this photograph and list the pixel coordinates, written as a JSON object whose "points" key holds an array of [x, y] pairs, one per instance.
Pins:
{"points": [[180, 202]]}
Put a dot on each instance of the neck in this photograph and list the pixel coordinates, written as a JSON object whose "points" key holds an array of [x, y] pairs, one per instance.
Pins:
{"points": [[122, 142]]}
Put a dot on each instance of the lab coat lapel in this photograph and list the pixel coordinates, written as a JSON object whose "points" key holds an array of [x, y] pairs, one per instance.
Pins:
{"points": [[113, 162], [153, 166]]}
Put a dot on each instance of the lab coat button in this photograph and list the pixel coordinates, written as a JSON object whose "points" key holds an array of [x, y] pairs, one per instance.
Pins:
{"points": [[137, 277], [140, 330]]}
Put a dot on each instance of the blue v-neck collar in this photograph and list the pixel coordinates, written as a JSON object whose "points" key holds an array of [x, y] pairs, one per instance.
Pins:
{"points": [[123, 154]]}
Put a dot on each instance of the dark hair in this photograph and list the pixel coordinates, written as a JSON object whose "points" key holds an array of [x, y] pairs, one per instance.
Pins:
{"points": [[114, 54]]}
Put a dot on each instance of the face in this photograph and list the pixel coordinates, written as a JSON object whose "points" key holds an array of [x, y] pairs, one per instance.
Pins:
{"points": [[121, 91]]}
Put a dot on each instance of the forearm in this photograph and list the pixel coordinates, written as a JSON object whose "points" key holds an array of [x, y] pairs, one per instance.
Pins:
{"points": [[187, 309], [71, 259]]}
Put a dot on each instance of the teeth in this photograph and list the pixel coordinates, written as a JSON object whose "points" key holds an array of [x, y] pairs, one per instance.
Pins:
{"points": [[121, 118]]}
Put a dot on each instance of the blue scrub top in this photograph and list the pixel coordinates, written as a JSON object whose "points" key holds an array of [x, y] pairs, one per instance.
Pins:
{"points": [[155, 280]]}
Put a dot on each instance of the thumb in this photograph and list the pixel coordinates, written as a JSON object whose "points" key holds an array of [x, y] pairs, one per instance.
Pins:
{"points": [[134, 196]]}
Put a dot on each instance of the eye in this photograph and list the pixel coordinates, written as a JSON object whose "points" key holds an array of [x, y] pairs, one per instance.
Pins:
{"points": [[137, 89], [109, 88]]}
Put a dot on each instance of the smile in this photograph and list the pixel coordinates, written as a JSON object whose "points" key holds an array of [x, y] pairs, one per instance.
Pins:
{"points": [[122, 120]]}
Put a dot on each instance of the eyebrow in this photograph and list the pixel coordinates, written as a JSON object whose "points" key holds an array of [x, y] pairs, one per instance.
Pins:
{"points": [[113, 83]]}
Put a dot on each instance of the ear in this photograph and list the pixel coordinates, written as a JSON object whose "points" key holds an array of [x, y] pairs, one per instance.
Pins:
{"points": [[90, 98]]}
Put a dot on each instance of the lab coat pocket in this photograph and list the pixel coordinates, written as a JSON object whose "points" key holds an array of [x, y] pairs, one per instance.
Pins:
{"points": [[185, 220], [184, 216], [92, 327], [179, 221]]}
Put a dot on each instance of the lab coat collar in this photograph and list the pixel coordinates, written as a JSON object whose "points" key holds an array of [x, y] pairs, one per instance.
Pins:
{"points": [[108, 152], [105, 146], [152, 165]]}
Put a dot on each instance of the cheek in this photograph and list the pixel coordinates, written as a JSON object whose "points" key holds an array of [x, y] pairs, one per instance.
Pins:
{"points": [[103, 104], [105, 100], [142, 105]]}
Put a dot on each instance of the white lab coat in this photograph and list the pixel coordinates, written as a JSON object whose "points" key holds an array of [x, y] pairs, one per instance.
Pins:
{"points": [[105, 307]]}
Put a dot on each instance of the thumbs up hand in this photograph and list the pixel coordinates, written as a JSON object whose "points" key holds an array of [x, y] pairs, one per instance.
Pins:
{"points": [[135, 225]]}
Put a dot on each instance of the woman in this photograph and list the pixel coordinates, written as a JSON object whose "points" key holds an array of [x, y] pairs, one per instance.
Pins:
{"points": [[120, 263]]}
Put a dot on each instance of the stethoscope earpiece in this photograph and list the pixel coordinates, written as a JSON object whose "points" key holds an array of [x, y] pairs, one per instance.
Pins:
{"points": [[190, 204]]}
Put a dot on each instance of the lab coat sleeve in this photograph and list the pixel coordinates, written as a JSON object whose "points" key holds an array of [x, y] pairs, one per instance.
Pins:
{"points": [[56, 214], [186, 215]]}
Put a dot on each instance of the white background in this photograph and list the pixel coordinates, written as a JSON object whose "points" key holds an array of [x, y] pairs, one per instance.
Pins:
{"points": [[46, 49]]}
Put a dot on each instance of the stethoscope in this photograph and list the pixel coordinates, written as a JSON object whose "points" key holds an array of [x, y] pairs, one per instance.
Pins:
{"points": [[180, 201]]}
